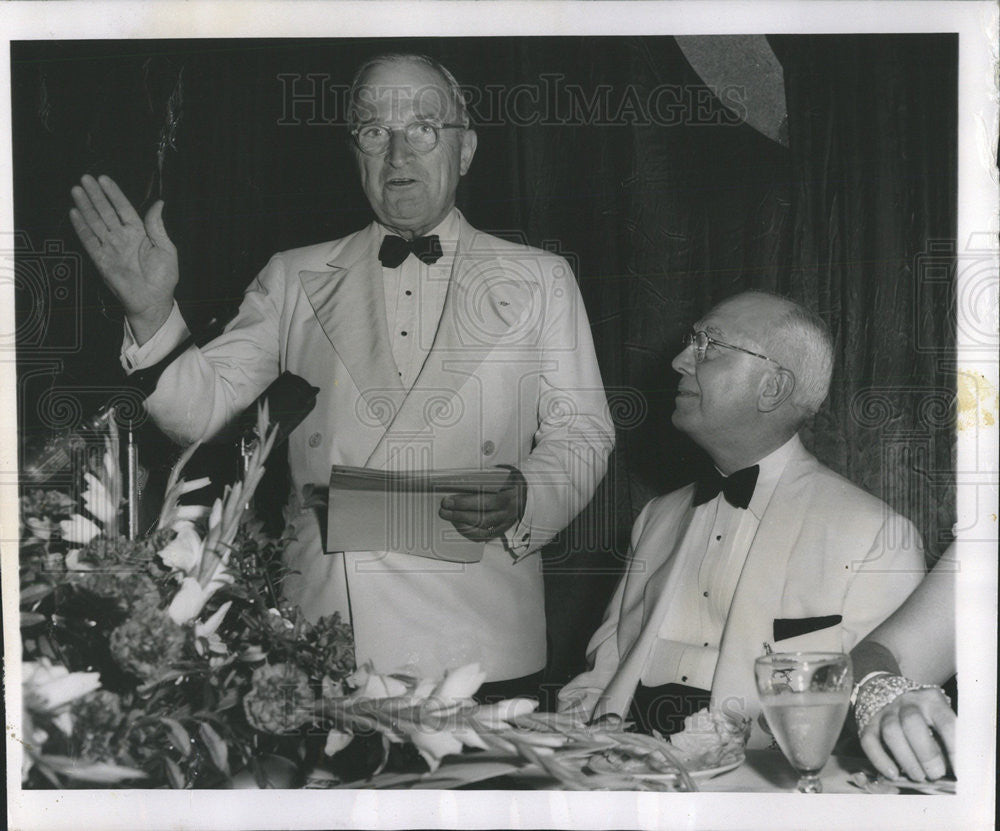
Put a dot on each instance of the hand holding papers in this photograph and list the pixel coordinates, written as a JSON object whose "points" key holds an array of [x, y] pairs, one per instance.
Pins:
{"points": [[379, 510]]}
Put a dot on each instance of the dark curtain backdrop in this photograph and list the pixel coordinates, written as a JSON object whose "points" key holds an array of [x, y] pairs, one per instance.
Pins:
{"points": [[608, 150]]}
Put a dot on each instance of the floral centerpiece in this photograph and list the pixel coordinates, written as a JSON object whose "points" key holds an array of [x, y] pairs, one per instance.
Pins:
{"points": [[171, 661]]}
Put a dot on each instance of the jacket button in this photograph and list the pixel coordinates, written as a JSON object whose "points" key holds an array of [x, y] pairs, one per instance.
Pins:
{"points": [[488, 448], [315, 439]]}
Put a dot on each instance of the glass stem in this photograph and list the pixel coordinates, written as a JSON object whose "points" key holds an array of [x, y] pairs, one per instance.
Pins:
{"points": [[809, 783]]}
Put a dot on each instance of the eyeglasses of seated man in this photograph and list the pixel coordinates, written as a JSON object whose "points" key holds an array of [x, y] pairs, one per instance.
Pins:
{"points": [[701, 341], [422, 136]]}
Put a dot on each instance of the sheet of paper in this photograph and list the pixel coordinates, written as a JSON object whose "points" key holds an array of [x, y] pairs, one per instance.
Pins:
{"points": [[379, 510]]}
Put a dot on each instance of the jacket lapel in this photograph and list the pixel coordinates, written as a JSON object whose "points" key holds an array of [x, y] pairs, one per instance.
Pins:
{"points": [[483, 302], [639, 628], [349, 303], [758, 598]]}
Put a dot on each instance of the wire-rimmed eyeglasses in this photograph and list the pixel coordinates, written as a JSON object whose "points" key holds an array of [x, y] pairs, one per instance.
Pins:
{"points": [[701, 340], [422, 136]]}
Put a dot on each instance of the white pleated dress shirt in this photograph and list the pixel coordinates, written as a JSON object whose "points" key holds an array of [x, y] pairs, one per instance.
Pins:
{"points": [[711, 560]]}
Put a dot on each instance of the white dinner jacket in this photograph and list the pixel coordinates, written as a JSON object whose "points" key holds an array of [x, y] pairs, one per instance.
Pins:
{"points": [[823, 547], [511, 378]]}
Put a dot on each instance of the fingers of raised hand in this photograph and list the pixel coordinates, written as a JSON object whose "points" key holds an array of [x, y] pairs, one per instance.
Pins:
{"points": [[101, 205], [155, 229], [104, 208], [90, 240], [119, 201]]}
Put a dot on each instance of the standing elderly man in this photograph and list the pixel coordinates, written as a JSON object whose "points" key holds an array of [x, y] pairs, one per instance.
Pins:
{"points": [[433, 345], [770, 547]]}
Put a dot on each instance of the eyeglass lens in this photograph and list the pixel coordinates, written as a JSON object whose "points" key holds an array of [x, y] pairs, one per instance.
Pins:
{"points": [[420, 135]]}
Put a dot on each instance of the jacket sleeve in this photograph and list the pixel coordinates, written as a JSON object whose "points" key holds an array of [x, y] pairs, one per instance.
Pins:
{"points": [[582, 694], [575, 434], [201, 392], [879, 583]]}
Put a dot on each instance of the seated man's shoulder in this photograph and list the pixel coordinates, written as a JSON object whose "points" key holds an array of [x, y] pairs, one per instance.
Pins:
{"points": [[665, 505], [816, 483]]}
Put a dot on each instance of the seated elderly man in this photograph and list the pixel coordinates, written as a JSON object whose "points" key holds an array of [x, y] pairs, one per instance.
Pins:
{"points": [[770, 550]]}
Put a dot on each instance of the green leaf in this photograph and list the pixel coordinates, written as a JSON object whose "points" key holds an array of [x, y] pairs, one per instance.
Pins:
{"points": [[105, 772], [31, 618], [217, 748], [174, 773], [178, 735], [32, 594]]}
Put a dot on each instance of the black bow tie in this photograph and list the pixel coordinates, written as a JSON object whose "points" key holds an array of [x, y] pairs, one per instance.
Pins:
{"points": [[396, 249], [738, 488]]}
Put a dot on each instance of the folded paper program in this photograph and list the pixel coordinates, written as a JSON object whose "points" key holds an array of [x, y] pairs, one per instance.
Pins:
{"points": [[379, 510]]}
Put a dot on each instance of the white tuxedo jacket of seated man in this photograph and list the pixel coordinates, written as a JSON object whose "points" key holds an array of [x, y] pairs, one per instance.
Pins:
{"points": [[494, 365], [819, 552]]}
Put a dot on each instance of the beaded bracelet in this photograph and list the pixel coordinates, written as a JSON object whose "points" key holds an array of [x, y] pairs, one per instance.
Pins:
{"points": [[877, 691]]}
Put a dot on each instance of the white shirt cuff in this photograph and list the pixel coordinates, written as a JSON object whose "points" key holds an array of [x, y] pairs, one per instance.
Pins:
{"points": [[518, 536], [171, 333]]}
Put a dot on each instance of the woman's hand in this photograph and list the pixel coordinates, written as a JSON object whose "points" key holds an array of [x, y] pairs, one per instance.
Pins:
{"points": [[916, 730]]}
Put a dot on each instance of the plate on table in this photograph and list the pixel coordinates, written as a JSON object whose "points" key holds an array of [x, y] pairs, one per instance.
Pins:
{"points": [[601, 764]]}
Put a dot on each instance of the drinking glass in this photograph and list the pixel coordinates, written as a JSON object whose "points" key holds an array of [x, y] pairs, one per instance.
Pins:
{"points": [[805, 696]]}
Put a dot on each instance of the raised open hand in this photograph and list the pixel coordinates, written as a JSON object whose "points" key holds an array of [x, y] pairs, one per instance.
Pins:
{"points": [[135, 257]]}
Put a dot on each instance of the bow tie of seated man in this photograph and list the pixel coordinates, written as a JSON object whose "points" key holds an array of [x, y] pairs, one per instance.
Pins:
{"points": [[737, 488], [394, 250]]}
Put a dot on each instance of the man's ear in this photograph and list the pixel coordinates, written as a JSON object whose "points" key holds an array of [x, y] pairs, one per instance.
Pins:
{"points": [[469, 142], [775, 389]]}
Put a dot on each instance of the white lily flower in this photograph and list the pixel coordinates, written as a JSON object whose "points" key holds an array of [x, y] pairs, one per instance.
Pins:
{"points": [[64, 721], [98, 501], [41, 529], [470, 738], [285, 622], [78, 529], [424, 689], [499, 715], [215, 516], [183, 552], [73, 562], [53, 686], [331, 688], [191, 513], [380, 686], [204, 630], [337, 741], [252, 654], [459, 683], [194, 484], [434, 746], [191, 597]]}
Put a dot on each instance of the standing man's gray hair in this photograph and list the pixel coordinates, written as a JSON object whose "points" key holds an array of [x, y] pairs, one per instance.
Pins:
{"points": [[457, 96]]}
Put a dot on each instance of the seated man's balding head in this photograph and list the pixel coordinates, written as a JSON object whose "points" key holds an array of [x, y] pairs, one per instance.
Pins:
{"points": [[764, 370]]}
